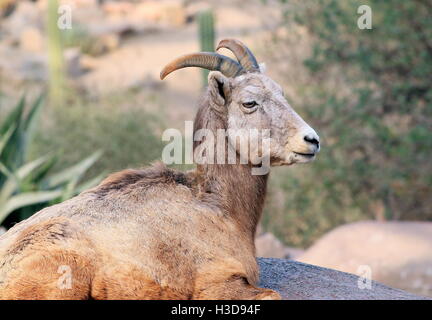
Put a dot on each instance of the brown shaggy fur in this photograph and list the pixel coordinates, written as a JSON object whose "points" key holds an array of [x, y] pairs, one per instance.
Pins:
{"points": [[144, 234]]}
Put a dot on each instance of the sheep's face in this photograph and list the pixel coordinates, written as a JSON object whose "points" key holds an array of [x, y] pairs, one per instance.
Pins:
{"points": [[253, 103]]}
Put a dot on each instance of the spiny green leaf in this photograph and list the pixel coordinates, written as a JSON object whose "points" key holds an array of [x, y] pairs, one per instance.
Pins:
{"points": [[12, 184], [26, 199], [42, 171], [72, 172], [29, 124], [14, 117], [5, 138], [28, 168]]}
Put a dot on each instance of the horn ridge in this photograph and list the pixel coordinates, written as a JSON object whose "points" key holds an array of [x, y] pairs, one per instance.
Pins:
{"points": [[245, 57], [206, 60]]}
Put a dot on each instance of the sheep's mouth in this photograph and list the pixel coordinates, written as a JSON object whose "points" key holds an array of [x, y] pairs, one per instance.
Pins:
{"points": [[307, 155]]}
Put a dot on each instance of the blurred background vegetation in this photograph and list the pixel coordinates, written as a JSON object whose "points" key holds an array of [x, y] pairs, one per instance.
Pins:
{"points": [[367, 92]]}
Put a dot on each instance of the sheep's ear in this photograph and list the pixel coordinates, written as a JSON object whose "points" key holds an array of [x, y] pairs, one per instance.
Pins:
{"points": [[219, 89]]}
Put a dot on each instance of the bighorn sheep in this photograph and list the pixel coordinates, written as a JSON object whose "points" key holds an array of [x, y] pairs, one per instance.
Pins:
{"points": [[158, 233]]}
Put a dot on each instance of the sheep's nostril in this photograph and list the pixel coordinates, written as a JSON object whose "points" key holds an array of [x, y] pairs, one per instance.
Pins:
{"points": [[311, 140]]}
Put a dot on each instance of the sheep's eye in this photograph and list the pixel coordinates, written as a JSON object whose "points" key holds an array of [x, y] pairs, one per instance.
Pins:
{"points": [[249, 104]]}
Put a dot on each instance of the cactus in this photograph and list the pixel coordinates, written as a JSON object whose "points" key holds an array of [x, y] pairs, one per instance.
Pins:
{"points": [[206, 36], [55, 55]]}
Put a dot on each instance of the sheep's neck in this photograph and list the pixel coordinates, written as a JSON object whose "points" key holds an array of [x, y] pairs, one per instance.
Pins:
{"points": [[231, 187], [236, 191]]}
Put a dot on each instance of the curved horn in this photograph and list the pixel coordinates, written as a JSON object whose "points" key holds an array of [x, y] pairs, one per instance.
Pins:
{"points": [[206, 60], [242, 53]]}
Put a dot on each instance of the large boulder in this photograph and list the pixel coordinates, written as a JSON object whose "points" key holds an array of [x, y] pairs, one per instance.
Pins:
{"points": [[398, 254], [300, 281]]}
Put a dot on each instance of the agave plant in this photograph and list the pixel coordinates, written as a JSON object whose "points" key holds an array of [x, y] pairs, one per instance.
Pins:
{"points": [[27, 186]]}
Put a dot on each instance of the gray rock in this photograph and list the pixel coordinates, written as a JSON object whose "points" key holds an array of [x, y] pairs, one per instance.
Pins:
{"points": [[300, 281]]}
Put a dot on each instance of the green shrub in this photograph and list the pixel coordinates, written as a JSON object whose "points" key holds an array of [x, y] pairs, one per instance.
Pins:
{"points": [[206, 31], [56, 66]]}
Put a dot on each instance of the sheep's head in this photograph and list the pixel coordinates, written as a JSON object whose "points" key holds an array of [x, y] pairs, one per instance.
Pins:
{"points": [[249, 100]]}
